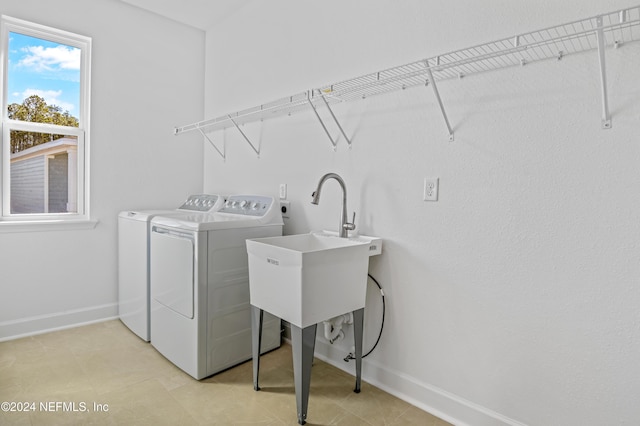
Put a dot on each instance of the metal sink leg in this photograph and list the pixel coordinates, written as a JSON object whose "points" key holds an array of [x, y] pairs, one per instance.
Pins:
{"points": [[358, 325], [303, 343], [257, 316]]}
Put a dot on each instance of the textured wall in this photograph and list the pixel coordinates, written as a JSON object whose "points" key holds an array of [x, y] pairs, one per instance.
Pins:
{"points": [[146, 77], [513, 299]]}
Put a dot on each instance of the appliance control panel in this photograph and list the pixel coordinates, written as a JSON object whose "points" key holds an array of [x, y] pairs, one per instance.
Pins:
{"points": [[249, 205], [199, 203]]}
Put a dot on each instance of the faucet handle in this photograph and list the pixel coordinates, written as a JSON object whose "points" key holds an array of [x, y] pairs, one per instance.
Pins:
{"points": [[351, 226]]}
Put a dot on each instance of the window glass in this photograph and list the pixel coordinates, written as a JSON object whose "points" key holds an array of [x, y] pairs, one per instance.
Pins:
{"points": [[43, 81], [43, 175], [45, 112]]}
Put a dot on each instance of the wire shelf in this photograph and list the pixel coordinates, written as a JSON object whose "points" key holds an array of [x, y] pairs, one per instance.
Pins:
{"points": [[617, 27], [554, 42]]}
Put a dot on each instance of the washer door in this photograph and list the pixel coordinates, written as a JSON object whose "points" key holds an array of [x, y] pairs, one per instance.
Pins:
{"points": [[172, 269]]}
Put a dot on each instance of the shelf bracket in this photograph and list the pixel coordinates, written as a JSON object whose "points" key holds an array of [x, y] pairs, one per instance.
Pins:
{"points": [[432, 82], [223, 152], [257, 151], [606, 117], [334, 143], [336, 120]]}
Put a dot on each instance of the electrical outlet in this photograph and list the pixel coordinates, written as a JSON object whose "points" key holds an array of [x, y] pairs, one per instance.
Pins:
{"points": [[283, 191], [430, 189]]}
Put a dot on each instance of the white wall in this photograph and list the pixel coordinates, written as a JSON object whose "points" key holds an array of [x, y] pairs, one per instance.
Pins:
{"points": [[147, 76], [513, 299]]}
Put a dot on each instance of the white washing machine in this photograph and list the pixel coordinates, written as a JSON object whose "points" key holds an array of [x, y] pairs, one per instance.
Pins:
{"points": [[200, 316], [133, 259]]}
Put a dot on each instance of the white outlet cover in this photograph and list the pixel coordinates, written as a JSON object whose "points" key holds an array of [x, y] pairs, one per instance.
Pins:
{"points": [[430, 192]]}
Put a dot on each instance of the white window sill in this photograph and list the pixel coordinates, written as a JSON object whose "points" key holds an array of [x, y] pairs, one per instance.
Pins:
{"points": [[46, 225]]}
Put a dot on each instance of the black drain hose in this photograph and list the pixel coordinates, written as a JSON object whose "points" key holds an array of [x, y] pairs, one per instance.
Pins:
{"points": [[351, 355]]}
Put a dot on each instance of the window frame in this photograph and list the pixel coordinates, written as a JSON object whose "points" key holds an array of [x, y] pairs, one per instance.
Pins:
{"points": [[28, 221]]}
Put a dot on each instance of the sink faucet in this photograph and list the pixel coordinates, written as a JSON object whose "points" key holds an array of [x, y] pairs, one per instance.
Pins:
{"points": [[344, 225]]}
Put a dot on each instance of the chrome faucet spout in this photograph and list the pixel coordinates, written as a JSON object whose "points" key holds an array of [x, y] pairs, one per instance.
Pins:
{"points": [[344, 225], [316, 197]]}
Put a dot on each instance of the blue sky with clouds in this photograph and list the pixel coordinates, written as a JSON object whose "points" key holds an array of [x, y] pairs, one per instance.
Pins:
{"points": [[49, 70]]}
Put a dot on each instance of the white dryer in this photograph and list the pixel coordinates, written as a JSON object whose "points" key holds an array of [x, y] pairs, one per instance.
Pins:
{"points": [[200, 316], [133, 259]]}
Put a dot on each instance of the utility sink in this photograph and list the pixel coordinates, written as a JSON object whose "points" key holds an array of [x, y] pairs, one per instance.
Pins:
{"points": [[309, 278]]}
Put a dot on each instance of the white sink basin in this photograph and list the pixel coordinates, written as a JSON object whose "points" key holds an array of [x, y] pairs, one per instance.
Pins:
{"points": [[309, 278]]}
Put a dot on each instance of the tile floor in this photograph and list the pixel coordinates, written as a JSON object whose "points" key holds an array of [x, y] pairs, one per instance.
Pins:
{"points": [[65, 377]]}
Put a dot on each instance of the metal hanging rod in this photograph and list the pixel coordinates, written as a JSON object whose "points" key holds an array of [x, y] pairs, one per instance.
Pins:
{"points": [[595, 33]]}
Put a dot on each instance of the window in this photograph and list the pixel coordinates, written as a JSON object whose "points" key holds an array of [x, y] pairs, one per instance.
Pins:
{"points": [[45, 124]]}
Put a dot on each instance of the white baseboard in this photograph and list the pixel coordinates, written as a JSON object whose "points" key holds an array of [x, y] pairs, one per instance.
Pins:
{"points": [[440, 403], [31, 326]]}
